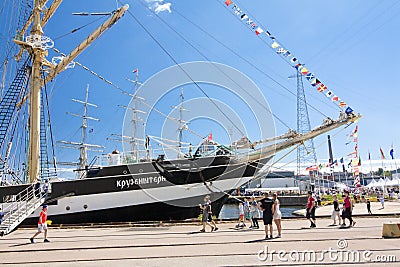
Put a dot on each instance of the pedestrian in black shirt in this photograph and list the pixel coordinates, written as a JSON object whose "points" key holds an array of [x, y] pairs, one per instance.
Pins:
{"points": [[266, 206], [336, 211], [369, 207]]}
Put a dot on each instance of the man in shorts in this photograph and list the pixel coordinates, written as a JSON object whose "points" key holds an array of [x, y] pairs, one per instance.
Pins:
{"points": [[209, 217], [206, 208], [265, 205], [310, 212], [42, 225]]}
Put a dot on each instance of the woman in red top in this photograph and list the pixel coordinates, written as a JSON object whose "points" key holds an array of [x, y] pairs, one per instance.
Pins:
{"points": [[310, 211], [347, 210], [42, 225]]}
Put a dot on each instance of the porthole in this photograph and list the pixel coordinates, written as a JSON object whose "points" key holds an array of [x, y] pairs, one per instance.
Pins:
{"points": [[140, 170], [124, 172], [85, 206], [67, 208]]}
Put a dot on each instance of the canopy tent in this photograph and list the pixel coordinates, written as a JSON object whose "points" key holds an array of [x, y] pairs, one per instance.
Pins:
{"points": [[384, 182], [372, 183], [341, 186]]}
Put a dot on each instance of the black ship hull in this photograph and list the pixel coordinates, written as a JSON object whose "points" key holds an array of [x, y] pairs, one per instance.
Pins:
{"points": [[157, 190]]}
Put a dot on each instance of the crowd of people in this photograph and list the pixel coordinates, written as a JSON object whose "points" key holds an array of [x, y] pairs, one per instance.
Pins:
{"points": [[250, 211], [268, 208]]}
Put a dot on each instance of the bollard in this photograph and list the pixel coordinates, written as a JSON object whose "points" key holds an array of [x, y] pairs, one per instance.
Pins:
{"points": [[391, 230]]}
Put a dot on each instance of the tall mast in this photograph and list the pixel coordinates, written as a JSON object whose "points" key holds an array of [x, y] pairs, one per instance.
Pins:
{"points": [[36, 46], [37, 54], [134, 118], [132, 139], [180, 121], [83, 146]]}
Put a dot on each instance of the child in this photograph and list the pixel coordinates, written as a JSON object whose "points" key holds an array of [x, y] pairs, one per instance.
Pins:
{"points": [[336, 211], [369, 207], [241, 216]]}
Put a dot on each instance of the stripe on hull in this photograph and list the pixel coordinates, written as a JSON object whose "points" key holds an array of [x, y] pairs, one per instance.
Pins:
{"points": [[173, 198], [157, 211]]}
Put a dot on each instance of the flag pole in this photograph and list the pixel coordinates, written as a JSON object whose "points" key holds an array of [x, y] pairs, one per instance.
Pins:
{"points": [[370, 164], [393, 159]]}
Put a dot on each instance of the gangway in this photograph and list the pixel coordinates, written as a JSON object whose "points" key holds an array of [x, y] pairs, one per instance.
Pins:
{"points": [[21, 206]]}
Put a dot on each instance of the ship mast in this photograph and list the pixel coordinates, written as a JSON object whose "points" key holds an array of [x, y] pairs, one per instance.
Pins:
{"points": [[181, 122], [37, 54], [83, 146], [35, 46]]}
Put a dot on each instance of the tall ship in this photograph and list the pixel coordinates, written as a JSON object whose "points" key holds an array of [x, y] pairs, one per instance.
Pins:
{"points": [[140, 183]]}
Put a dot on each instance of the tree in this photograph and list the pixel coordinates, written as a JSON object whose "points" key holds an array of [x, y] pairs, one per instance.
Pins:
{"points": [[379, 172]]}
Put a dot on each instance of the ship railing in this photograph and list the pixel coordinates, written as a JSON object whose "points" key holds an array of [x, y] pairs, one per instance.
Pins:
{"points": [[20, 205], [114, 159]]}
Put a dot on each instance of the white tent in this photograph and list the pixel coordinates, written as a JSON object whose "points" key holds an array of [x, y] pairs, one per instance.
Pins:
{"points": [[393, 182], [341, 186], [372, 183]]}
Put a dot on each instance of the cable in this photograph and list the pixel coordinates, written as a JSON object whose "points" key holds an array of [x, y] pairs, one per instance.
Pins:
{"points": [[49, 125], [79, 28], [268, 45], [251, 64], [183, 70]]}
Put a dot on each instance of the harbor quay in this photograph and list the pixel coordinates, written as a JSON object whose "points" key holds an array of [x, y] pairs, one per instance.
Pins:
{"points": [[181, 244]]}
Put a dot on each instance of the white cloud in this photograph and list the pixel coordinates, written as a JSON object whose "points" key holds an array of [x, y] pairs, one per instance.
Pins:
{"points": [[159, 6], [163, 7]]}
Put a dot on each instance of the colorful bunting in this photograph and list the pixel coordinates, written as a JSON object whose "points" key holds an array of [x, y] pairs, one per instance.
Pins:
{"points": [[322, 88], [275, 45], [391, 153], [312, 168], [259, 31], [286, 54]]}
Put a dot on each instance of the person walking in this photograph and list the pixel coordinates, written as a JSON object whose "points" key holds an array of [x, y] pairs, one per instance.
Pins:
{"points": [[277, 214], [382, 200], [336, 211], [265, 205], [205, 207], [310, 211], [246, 207], [255, 213], [209, 217], [37, 189], [369, 207], [42, 225], [241, 223], [347, 210]]}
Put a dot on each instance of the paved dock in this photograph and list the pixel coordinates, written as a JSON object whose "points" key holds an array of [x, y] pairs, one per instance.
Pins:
{"points": [[183, 245], [390, 208]]}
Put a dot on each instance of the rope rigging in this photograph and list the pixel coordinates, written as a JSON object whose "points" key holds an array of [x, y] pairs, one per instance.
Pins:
{"points": [[81, 27], [183, 70]]}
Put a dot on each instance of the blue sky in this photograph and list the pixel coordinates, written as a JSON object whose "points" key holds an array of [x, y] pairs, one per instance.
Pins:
{"points": [[350, 45]]}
